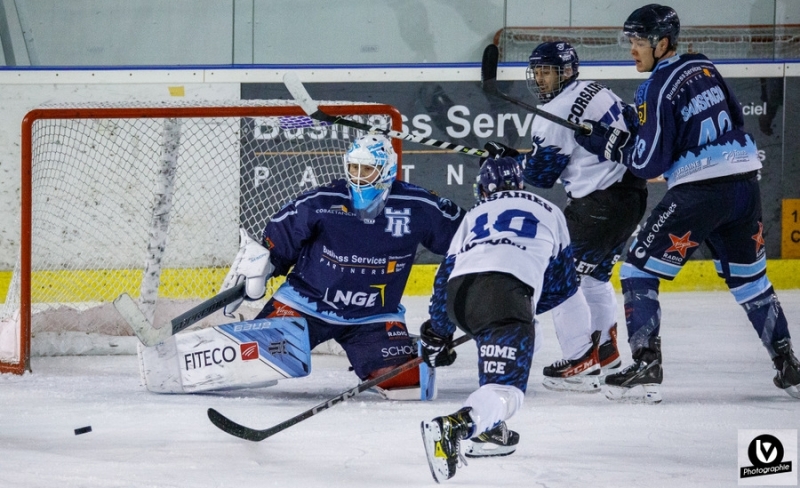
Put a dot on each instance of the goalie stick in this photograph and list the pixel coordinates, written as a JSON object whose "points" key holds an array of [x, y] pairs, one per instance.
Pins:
{"points": [[150, 336], [256, 435], [489, 84], [309, 106]]}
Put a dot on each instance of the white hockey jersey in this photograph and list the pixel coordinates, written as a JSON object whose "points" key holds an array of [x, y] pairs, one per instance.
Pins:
{"points": [[556, 154], [515, 232]]}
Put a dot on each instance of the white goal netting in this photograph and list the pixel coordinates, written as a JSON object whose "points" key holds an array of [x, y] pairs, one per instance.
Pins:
{"points": [[604, 43], [147, 199]]}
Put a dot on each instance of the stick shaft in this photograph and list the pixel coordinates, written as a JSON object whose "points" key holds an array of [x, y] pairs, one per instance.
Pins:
{"points": [[238, 430], [310, 107]]}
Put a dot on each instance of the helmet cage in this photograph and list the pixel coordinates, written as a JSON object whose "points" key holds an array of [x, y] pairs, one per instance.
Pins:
{"points": [[374, 169], [559, 56]]}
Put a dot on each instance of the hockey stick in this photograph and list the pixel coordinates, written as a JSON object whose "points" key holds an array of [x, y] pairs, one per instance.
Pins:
{"points": [[489, 84], [150, 336], [309, 106], [255, 435]]}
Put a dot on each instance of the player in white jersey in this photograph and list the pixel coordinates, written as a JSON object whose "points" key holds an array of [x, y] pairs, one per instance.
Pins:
{"points": [[606, 202], [509, 260]]}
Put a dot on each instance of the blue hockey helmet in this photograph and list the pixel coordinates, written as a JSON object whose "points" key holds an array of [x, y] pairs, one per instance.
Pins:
{"points": [[371, 167], [559, 56], [498, 175], [653, 22]]}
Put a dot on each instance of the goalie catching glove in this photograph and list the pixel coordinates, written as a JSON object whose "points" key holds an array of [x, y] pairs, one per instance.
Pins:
{"points": [[437, 350], [251, 265]]}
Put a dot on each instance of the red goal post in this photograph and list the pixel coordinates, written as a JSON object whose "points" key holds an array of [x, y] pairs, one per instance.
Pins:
{"points": [[146, 199]]}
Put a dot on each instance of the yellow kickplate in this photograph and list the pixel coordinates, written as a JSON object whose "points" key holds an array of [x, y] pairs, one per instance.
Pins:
{"points": [[438, 452]]}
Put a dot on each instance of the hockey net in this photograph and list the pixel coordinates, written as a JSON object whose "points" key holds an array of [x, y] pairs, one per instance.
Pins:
{"points": [[147, 199], [603, 43]]}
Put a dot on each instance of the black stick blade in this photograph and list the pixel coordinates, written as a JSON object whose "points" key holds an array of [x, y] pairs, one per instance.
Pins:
{"points": [[230, 427], [489, 68]]}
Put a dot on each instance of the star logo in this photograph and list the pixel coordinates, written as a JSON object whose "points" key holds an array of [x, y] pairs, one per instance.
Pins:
{"points": [[682, 244], [759, 238]]}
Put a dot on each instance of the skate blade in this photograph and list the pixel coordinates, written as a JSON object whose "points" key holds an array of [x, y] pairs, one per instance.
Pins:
{"points": [[793, 391], [487, 449], [437, 460], [575, 384], [649, 394]]}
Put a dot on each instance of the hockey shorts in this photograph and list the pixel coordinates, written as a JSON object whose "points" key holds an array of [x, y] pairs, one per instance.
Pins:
{"points": [[725, 213], [495, 308], [601, 223]]}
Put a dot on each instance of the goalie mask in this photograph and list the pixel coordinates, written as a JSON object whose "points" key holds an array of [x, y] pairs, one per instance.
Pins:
{"points": [[498, 175], [371, 167], [551, 67]]}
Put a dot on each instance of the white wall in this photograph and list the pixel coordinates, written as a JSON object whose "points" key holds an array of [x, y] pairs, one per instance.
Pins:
{"points": [[192, 32]]}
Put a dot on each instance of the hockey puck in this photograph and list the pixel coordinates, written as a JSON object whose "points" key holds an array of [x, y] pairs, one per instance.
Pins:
{"points": [[83, 430]]}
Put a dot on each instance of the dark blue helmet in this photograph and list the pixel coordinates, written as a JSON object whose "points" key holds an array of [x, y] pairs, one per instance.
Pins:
{"points": [[498, 175], [559, 56], [654, 22]]}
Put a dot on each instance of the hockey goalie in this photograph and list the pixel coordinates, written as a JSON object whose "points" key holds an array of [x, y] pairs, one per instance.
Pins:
{"points": [[346, 249]]}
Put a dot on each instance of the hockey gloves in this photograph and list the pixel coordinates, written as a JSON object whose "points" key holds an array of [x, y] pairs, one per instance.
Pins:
{"points": [[251, 265], [631, 118], [604, 140], [498, 150], [437, 350]]}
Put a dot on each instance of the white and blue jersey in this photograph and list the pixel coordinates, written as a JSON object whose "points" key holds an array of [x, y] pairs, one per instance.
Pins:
{"points": [[690, 125], [513, 232], [348, 271], [555, 152]]}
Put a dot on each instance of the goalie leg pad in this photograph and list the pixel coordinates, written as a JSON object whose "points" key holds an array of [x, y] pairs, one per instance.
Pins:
{"points": [[414, 384], [249, 354]]}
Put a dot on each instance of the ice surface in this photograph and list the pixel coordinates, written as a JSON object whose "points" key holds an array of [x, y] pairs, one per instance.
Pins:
{"points": [[718, 379]]}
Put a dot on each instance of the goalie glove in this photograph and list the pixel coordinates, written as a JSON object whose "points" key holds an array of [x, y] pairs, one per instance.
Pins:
{"points": [[437, 350], [604, 140], [251, 265]]}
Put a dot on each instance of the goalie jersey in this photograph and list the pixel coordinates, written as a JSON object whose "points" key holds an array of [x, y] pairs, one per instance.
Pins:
{"points": [[555, 152], [344, 270]]}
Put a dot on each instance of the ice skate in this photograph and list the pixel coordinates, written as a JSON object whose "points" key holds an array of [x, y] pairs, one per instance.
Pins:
{"points": [[578, 375], [608, 354], [499, 441], [788, 368], [442, 437], [640, 382]]}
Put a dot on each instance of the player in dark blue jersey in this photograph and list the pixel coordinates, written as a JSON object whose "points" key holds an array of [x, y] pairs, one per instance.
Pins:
{"points": [[691, 132], [346, 249]]}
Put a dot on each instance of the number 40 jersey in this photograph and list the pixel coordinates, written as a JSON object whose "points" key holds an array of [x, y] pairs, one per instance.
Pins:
{"points": [[514, 232]]}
